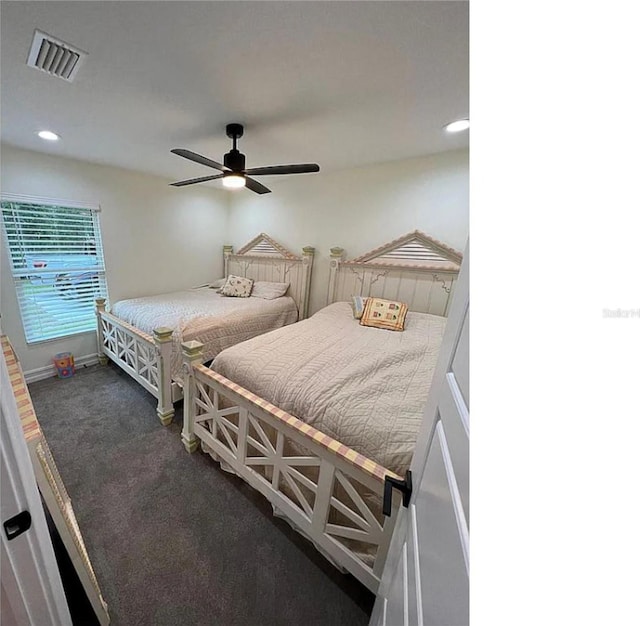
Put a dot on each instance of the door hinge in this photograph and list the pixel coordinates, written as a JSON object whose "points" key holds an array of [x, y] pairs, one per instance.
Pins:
{"points": [[405, 486], [17, 524]]}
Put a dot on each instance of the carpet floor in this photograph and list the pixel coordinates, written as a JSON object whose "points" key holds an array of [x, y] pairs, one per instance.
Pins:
{"points": [[173, 539]]}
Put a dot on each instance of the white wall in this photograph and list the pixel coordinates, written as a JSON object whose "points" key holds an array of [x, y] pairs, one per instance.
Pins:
{"points": [[156, 238], [358, 209]]}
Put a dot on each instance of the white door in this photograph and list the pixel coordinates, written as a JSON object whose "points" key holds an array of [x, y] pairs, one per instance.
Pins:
{"points": [[426, 576], [32, 592]]}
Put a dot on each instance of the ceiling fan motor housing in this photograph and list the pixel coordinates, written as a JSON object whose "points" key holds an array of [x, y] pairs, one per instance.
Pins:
{"points": [[234, 160]]}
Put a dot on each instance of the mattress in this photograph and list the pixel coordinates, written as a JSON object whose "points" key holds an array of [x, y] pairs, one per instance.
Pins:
{"points": [[365, 387], [203, 315]]}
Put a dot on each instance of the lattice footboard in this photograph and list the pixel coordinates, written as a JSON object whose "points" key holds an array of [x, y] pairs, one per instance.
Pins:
{"points": [[145, 358], [330, 492]]}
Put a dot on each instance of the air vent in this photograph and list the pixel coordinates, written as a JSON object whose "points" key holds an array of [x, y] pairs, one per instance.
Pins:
{"points": [[54, 57]]}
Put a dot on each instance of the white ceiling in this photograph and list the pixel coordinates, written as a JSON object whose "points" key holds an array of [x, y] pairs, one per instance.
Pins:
{"points": [[342, 84]]}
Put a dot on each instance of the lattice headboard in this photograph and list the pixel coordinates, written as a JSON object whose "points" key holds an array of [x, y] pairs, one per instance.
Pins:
{"points": [[265, 259], [415, 269]]}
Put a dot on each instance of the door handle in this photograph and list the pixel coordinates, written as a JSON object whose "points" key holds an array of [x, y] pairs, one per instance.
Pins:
{"points": [[17, 524], [405, 486]]}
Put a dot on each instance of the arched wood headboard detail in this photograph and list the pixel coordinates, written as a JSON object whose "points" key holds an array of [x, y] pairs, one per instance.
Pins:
{"points": [[415, 269], [265, 259]]}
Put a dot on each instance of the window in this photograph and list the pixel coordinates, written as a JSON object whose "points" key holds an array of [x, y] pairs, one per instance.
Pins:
{"points": [[57, 264]]}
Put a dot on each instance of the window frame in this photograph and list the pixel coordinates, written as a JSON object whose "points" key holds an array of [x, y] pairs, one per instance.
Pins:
{"points": [[95, 209]]}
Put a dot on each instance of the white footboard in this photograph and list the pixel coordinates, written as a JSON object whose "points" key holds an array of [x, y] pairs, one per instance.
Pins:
{"points": [[146, 359], [331, 493]]}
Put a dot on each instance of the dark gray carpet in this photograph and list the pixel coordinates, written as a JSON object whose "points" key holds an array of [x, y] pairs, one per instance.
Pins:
{"points": [[173, 539]]}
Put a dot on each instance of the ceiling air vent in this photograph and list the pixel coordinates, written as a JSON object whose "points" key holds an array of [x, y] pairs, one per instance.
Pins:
{"points": [[54, 57]]}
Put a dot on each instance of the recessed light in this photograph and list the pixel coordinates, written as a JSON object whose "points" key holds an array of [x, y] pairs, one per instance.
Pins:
{"points": [[48, 135], [457, 126]]}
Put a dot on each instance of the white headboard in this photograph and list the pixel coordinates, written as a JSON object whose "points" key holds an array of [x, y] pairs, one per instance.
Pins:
{"points": [[265, 259], [415, 269]]}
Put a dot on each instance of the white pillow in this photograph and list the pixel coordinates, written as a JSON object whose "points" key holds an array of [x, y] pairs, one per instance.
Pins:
{"points": [[237, 287], [218, 284], [268, 291]]}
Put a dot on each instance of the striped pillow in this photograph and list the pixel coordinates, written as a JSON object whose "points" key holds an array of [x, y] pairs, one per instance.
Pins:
{"points": [[357, 304]]}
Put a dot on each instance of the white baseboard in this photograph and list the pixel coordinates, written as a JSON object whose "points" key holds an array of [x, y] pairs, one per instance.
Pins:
{"points": [[40, 373]]}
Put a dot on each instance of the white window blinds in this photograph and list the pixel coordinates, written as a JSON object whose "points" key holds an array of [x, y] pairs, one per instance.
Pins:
{"points": [[57, 265]]}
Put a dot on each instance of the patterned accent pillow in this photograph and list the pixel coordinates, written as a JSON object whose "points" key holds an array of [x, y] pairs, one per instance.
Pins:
{"points": [[357, 305], [268, 291], [237, 287], [387, 314]]}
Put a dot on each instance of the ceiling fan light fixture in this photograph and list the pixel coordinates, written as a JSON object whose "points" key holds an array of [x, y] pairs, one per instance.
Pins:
{"points": [[457, 126], [234, 181]]}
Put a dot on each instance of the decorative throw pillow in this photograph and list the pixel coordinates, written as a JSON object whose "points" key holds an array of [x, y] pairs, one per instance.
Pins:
{"points": [[357, 304], [237, 287], [268, 291], [218, 284], [381, 313]]}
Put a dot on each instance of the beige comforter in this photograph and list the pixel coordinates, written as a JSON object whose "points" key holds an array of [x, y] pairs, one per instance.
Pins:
{"points": [[203, 315], [365, 387]]}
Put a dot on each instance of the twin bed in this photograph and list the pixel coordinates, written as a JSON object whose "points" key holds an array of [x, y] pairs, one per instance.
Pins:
{"points": [[143, 335], [363, 386], [314, 415]]}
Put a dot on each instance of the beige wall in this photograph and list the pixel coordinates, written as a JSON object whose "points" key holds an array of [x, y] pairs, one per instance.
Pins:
{"points": [[156, 238], [358, 209]]}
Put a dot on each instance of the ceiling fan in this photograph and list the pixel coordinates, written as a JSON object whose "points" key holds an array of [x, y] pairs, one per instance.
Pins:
{"points": [[234, 174]]}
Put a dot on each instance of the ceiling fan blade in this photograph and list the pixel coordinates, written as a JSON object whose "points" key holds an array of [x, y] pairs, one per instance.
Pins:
{"points": [[254, 185], [193, 181], [198, 158], [300, 168]]}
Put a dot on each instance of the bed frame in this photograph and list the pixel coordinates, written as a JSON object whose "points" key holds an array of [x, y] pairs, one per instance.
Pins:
{"points": [[415, 269], [336, 499], [147, 359]]}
